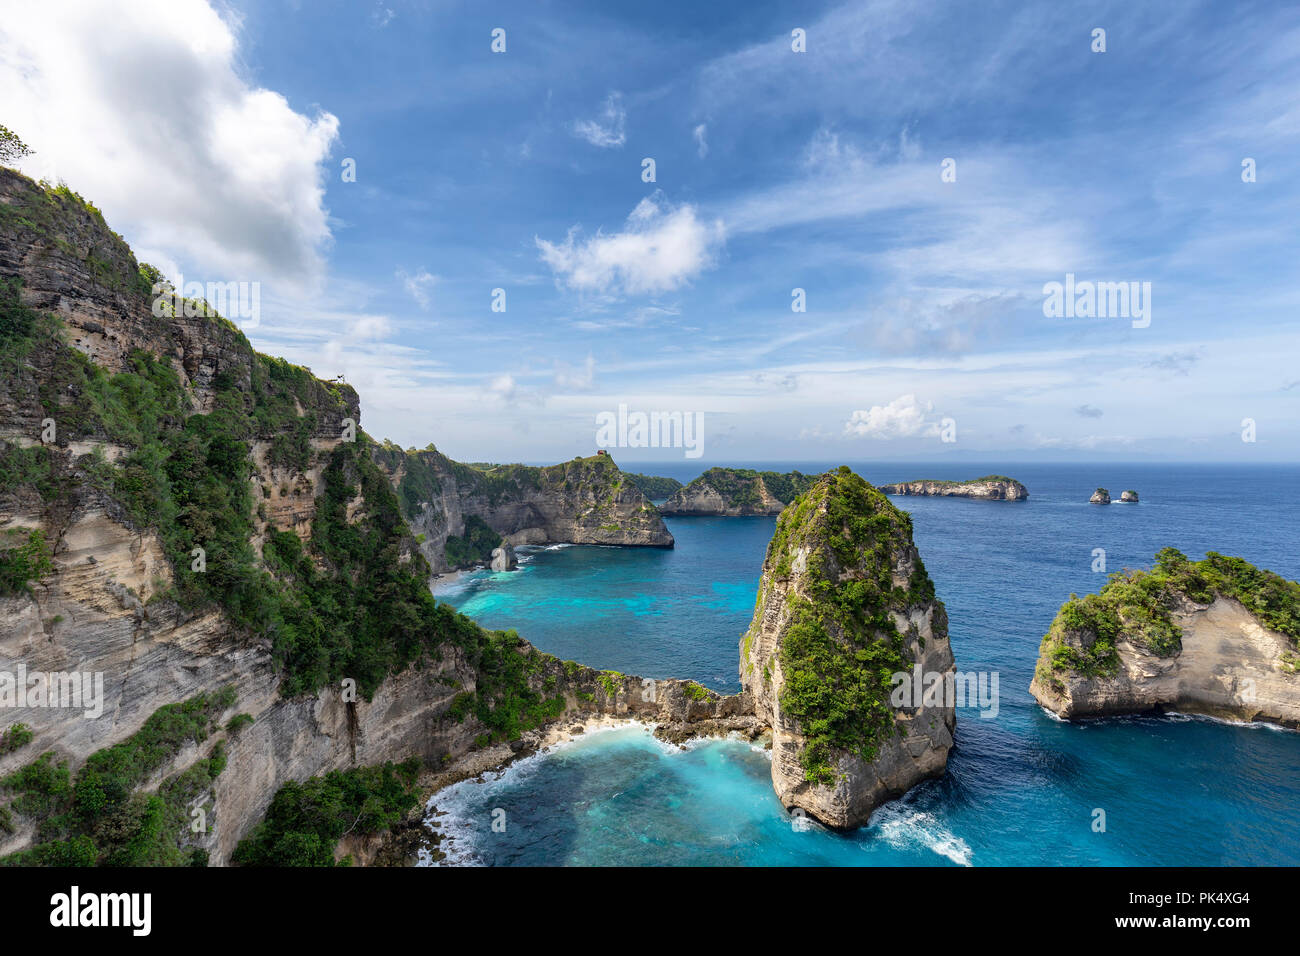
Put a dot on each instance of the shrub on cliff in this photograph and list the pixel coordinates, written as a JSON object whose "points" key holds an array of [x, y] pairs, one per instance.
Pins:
{"points": [[306, 820], [102, 817], [12, 149]]}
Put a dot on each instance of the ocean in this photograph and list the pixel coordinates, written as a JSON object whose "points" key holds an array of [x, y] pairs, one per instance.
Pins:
{"points": [[1022, 788]]}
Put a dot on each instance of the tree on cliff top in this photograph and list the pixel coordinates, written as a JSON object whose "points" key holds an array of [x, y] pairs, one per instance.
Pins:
{"points": [[12, 148]]}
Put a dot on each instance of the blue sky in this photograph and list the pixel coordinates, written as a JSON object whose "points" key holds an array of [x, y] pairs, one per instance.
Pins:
{"points": [[220, 134]]}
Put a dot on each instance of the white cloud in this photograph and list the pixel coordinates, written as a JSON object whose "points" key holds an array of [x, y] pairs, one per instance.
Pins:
{"points": [[609, 129], [579, 379], [370, 327], [904, 417], [504, 387], [142, 108], [662, 248], [701, 144], [417, 286]]}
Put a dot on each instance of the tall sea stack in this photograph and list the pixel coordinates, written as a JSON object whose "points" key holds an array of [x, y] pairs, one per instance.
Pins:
{"points": [[844, 604]]}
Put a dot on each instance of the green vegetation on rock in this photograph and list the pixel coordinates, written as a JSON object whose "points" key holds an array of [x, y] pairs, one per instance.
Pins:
{"points": [[739, 487], [351, 601], [504, 700], [1139, 605], [842, 645], [103, 817], [653, 486], [24, 558], [306, 820], [14, 737]]}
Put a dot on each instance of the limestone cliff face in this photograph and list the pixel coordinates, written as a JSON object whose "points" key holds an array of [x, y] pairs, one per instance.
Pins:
{"points": [[1179, 638], [72, 265], [108, 605], [583, 501], [733, 492], [994, 488], [843, 597]]}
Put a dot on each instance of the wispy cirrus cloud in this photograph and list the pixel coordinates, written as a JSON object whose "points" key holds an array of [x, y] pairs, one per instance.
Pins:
{"points": [[418, 286], [609, 129]]}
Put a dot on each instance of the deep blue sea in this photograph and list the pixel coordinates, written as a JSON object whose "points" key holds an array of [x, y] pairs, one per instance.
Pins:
{"points": [[1022, 788]]}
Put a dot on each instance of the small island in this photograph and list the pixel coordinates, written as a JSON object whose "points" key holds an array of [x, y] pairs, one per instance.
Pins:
{"points": [[990, 487], [1217, 637], [1130, 497], [844, 602], [1100, 497], [733, 492], [655, 487]]}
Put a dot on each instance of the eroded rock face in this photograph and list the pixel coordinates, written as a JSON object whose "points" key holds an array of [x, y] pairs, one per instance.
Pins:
{"points": [[1229, 666], [992, 488], [1100, 497], [1130, 497], [584, 501], [843, 554]]}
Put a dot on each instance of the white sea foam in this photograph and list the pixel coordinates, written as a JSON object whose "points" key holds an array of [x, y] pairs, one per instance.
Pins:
{"points": [[462, 830], [904, 826], [1251, 724]]}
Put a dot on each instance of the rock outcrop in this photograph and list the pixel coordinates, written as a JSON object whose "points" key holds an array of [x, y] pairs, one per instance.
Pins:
{"points": [[992, 487], [583, 501], [1216, 637], [733, 492], [844, 600], [1131, 497], [1100, 497], [503, 558]]}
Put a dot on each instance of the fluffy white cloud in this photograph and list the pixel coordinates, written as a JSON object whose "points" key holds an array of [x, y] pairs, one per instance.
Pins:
{"points": [[904, 417], [661, 248], [142, 108], [610, 129]]}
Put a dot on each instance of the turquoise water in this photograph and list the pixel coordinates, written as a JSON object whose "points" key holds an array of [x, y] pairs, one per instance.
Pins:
{"points": [[1021, 787]]}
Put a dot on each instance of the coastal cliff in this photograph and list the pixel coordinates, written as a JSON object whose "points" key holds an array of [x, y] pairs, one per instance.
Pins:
{"points": [[583, 501], [992, 487], [1216, 637], [844, 603], [203, 564], [733, 492]]}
